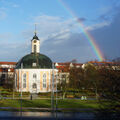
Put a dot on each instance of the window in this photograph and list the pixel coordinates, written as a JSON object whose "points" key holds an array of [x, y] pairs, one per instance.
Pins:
{"points": [[34, 85], [34, 76], [34, 64], [24, 80], [44, 80], [35, 48], [16, 79]]}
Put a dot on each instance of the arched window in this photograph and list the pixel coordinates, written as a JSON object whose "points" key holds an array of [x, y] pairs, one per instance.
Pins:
{"points": [[44, 80], [34, 48], [16, 79], [24, 80], [34, 85], [34, 75]]}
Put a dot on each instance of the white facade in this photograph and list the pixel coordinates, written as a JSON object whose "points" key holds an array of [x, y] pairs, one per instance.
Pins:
{"points": [[34, 80], [35, 46]]}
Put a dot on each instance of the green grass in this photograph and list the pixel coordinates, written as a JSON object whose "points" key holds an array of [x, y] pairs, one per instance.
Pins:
{"points": [[77, 104], [47, 103]]}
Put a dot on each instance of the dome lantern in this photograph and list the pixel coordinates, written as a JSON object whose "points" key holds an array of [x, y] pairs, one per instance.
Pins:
{"points": [[35, 43]]}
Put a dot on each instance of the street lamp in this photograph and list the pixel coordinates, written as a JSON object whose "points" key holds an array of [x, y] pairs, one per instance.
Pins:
{"points": [[21, 88], [52, 90]]}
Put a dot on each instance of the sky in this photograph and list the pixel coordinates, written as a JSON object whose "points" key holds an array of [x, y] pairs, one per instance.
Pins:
{"points": [[61, 36]]}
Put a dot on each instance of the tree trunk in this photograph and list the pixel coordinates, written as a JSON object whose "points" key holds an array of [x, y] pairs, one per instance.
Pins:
{"points": [[64, 93]]}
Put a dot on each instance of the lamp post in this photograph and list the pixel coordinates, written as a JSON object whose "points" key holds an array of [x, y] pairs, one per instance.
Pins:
{"points": [[52, 90], [56, 95], [21, 89]]}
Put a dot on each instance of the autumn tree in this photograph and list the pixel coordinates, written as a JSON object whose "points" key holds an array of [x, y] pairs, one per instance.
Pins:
{"points": [[91, 76], [110, 91], [110, 82], [76, 78]]}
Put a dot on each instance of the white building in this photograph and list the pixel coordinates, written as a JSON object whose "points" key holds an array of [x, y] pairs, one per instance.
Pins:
{"points": [[34, 71]]}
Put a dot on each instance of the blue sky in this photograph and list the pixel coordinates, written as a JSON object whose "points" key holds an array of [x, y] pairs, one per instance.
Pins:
{"points": [[61, 37]]}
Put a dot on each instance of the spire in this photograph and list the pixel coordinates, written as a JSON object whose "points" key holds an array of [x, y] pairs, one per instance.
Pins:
{"points": [[35, 36], [35, 30]]}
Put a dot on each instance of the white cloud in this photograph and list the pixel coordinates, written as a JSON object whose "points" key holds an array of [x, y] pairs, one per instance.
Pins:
{"points": [[63, 36], [57, 35], [98, 25], [59, 32], [54, 25], [50, 27], [13, 51]]}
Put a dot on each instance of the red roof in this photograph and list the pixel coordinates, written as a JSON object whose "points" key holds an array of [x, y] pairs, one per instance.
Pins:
{"points": [[8, 63], [68, 63], [64, 67]]}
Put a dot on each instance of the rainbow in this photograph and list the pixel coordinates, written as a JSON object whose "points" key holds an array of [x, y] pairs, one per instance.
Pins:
{"points": [[89, 37]]}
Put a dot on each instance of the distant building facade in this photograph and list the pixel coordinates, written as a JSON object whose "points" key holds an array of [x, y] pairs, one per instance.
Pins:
{"points": [[64, 69], [98, 65], [7, 72]]}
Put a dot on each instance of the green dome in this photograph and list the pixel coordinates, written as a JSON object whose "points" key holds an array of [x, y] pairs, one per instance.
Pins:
{"points": [[35, 61]]}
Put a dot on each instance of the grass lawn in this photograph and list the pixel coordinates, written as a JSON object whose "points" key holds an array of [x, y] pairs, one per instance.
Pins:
{"points": [[67, 103]]}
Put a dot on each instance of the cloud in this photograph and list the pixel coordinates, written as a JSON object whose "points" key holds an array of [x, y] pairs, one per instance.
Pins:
{"points": [[67, 45], [98, 25], [81, 19], [49, 27], [51, 24], [108, 38], [62, 40], [60, 37], [13, 51], [109, 12], [58, 27]]}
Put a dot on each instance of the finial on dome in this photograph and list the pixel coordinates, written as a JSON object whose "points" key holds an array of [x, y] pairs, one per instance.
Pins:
{"points": [[35, 30], [35, 36]]}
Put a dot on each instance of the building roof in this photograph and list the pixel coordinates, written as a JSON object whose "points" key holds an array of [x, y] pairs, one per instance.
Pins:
{"points": [[8, 63], [35, 37], [104, 63], [35, 61], [65, 67]]}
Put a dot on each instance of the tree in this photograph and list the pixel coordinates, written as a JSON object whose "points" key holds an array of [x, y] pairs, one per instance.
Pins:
{"points": [[63, 79], [110, 83], [91, 77], [110, 91], [76, 78]]}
